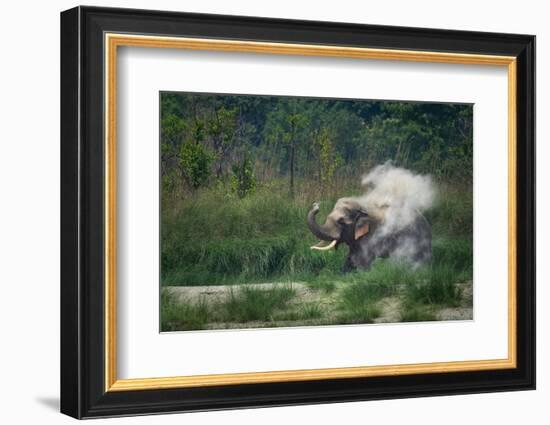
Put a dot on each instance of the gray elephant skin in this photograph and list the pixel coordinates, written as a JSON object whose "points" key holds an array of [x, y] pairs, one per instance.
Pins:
{"points": [[368, 238]]}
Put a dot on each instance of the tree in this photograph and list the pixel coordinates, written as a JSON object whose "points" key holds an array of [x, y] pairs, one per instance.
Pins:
{"points": [[223, 128], [328, 158], [287, 124], [431, 138]]}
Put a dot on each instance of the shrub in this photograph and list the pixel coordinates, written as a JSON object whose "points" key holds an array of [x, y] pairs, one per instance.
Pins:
{"points": [[243, 180], [195, 162]]}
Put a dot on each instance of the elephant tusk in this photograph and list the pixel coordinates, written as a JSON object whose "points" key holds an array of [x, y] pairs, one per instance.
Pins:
{"points": [[324, 248]]}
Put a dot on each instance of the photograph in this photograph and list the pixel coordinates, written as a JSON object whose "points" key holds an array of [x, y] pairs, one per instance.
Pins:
{"points": [[285, 211], [262, 211]]}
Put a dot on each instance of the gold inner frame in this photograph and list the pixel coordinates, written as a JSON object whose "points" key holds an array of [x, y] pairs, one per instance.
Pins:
{"points": [[113, 41]]}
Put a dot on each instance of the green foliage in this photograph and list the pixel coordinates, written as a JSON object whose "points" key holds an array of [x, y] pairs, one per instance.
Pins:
{"points": [[223, 125], [287, 125], [243, 180], [195, 161], [169, 183], [225, 131], [172, 130], [431, 138], [290, 137]]}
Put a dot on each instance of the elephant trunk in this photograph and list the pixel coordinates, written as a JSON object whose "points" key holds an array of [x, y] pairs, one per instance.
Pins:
{"points": [[321, 232]]}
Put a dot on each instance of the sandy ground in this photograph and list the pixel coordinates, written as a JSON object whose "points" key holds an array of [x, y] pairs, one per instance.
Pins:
{"points": [[390, 307]]}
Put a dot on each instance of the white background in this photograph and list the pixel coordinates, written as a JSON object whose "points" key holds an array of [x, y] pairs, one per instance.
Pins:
{"points": [[29, 228], [191, 353]]}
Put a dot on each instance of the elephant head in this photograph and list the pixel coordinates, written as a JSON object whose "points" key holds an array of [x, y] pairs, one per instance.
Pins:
{"points": [[347, 222]]}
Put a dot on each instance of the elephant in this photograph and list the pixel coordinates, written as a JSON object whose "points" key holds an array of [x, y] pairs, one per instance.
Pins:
{"points": [[368, 237]]}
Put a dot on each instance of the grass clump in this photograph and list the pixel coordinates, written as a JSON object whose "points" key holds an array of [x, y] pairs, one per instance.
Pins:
{"points": [[305, 312], [439, 288], [177, 315], [358, 300], [252, 304], [357, 311], [311, 311]]}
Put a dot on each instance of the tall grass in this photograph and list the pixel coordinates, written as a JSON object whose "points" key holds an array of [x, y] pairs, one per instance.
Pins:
{"points": [[453, 213], [212, 238]]}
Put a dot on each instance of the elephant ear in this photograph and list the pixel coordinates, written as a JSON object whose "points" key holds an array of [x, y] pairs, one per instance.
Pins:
{"points": [[361, 227]]}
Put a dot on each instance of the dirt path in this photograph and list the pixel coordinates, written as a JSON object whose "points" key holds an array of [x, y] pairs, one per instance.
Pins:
{"points": [[218, 293]]}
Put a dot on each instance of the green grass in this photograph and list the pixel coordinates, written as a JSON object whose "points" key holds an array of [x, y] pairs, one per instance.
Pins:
{"points": [[455, 252], [325, 282], [305, 312], [311, 311], [439, 288], [211, 238], [421, 290], [357, 311], [180, 316], [453, 211], [362, 290], [254, 304], [243, 304], [355, 298], [214, 239]]}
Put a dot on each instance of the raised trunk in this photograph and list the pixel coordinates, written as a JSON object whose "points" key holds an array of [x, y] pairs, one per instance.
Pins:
{"points": [[319, 231]]}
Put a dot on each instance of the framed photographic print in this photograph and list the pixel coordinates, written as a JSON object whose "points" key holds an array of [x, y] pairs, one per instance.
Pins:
{"points": [[261, 212]]}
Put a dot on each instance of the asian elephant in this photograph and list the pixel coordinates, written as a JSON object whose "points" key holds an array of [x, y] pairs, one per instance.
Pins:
{"points": [[368, 237]]}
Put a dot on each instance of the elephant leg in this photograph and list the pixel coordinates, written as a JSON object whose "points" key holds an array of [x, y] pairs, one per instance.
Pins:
{"points": [[365, 261], [349, 266]]}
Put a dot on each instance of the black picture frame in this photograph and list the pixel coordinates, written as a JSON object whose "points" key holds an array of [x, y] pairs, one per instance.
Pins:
{"points": [[83, 392]]}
